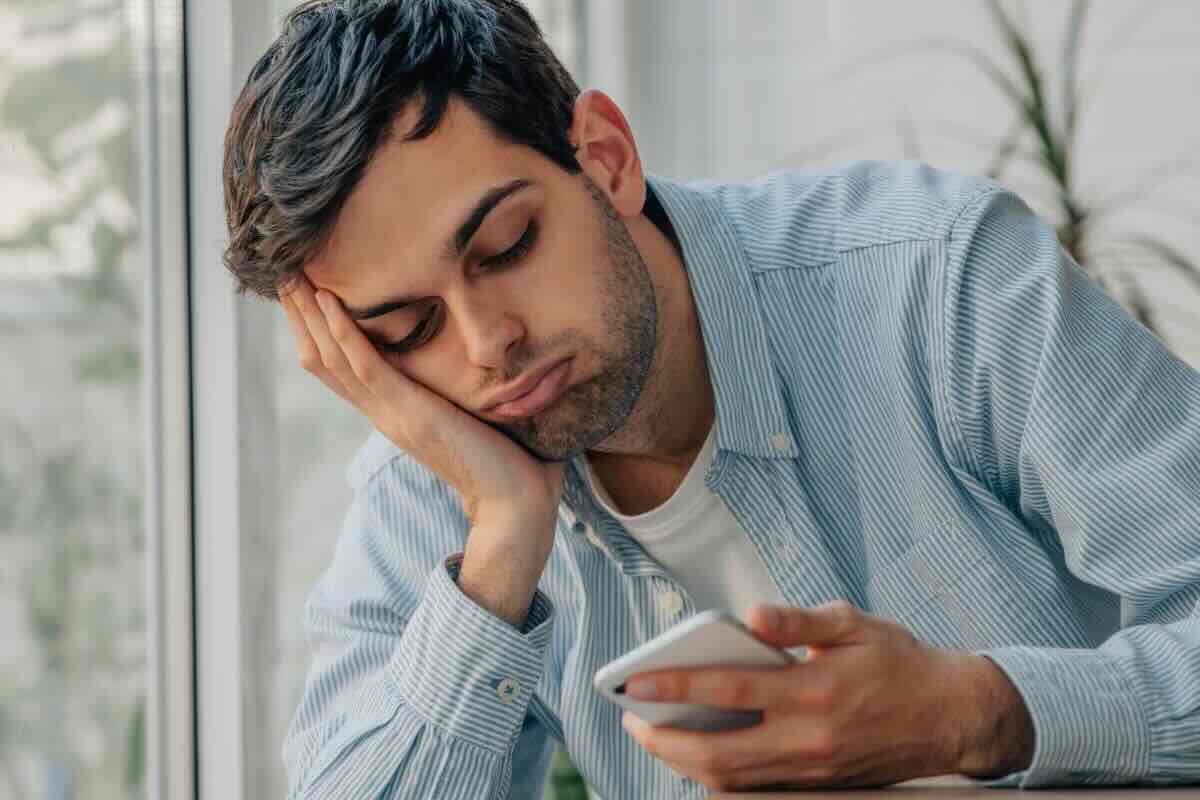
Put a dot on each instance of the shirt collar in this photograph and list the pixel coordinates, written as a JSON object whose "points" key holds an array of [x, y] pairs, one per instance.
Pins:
{"points": [[751, 415]]}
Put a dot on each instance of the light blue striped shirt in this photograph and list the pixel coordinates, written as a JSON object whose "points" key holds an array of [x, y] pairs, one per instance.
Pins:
{"points": [[924, 408]]}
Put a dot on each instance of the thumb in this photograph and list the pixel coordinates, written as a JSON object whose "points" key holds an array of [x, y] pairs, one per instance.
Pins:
{"points": [[820, 626]]}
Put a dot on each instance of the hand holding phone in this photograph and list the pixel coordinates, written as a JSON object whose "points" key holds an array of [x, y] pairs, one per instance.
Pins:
{"points": [[709, 639]]}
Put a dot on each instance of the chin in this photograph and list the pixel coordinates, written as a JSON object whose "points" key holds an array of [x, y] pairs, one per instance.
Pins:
{"points": [[556, 435]]}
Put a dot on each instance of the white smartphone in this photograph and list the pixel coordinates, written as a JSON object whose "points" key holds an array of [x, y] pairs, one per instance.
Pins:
{"points": [[709, 639]]}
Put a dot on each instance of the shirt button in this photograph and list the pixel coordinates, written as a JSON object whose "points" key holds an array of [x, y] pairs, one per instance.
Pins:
{"points": [[670, 602], [579, 527], [781, 441], [508, 689]]}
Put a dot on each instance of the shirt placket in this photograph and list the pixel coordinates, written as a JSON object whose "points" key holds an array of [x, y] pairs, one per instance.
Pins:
{"points": [[783, 531], [658, 600]]}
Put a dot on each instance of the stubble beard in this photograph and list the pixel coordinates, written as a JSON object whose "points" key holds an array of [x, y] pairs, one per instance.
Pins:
{"points": [[592, 411]]}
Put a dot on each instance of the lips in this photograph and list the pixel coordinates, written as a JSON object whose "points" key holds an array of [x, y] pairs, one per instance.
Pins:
{"points": [[534, 393], [523, 386]]}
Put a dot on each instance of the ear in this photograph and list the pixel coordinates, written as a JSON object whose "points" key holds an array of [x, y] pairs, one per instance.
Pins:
{"points": [[606, 151]]}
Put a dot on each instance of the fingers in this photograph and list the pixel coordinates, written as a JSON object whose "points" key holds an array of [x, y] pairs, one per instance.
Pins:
{"points": [[787, 773], [333, 359], [306, 348], [775, 777], [378, 388], [722, 687], [773, 752], [826, 625], [704, 751], [358, 355]]}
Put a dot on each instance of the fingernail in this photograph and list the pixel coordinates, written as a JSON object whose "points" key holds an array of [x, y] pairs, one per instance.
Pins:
{"points": [[322, 299], [642, 690]]}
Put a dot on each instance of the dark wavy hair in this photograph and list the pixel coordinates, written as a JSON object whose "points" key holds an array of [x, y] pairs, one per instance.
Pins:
{"points": [[324, 98]]}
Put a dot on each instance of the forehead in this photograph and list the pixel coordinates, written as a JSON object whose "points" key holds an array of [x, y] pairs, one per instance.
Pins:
{"points": [[414, 194]]}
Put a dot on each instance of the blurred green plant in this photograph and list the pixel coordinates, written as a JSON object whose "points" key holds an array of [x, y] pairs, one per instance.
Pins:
{"points": [[86, 86], [1048, 111], [565, 781], [12, 734], [86, 525]]}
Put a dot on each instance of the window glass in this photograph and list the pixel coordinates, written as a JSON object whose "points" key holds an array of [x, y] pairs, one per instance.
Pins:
{"points": [[72, 613]]}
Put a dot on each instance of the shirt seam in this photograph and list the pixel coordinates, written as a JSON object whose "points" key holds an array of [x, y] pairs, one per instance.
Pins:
{"points": [[370, 475], [762, 269], [842, 251], [955, 425]]}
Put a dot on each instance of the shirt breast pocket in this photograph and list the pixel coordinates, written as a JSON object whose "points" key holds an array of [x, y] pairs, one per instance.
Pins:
{"points": [[950, 591]]}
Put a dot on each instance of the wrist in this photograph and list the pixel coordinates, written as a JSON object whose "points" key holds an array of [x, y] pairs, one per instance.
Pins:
{"points": [[998, 735], [503, 561]]}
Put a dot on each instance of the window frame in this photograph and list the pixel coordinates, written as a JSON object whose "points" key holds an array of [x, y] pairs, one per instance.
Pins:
{"points": [[166, 400], [223, 39]]}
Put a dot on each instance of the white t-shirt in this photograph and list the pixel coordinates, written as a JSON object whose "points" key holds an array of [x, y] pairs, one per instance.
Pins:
{"points": [[696, 539]]}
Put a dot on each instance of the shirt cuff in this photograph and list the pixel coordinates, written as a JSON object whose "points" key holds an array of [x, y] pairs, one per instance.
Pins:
{"points": [[1089, 724], [467, 671]]}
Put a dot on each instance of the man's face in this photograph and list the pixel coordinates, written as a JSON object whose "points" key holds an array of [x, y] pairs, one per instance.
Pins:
{"points": [[549, 278]]}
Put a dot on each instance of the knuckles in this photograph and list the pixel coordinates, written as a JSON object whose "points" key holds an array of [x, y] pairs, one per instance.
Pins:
{"points": [[713, 763], [310, 360], [845, 614], [672, 687], [827, 691], [735, 694], [824, 774], [822, 746], [368, 374], [719, 782]]}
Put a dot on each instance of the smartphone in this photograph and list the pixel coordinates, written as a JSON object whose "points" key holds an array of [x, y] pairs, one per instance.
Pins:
{"points": [[709, 639]]}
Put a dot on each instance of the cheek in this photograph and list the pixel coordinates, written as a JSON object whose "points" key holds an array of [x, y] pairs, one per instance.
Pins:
{"points": [[436, 367], [563, 286], [573, 255], [420, 366]]}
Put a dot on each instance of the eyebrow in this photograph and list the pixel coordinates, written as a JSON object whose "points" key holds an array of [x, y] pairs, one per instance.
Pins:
{"points": [[454, 247]]}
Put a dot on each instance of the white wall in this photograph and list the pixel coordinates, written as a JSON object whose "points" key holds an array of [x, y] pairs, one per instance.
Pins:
{"points": [[729, 90]]}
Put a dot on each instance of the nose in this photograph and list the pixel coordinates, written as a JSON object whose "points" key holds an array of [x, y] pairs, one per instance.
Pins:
{"points": [[488, 330]]}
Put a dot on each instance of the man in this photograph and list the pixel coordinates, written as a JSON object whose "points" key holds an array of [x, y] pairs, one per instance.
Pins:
{"points": [[876, 410]]}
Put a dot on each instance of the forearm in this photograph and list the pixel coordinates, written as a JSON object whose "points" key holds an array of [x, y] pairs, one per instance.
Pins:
{"points": [[477, 684], [1082, 420], [504, 559]]}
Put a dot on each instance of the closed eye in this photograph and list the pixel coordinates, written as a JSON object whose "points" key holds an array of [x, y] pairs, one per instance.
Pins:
{"points": [[427, 327], [516, 252], [420, 334]]}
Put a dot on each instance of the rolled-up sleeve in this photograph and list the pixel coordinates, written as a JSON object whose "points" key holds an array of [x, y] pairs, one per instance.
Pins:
{"points": [[415, 690], [1083, 422]]}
